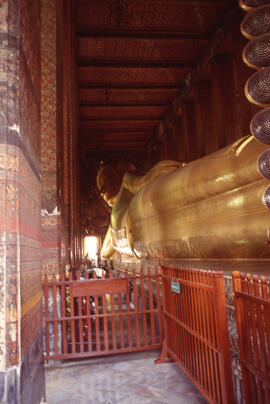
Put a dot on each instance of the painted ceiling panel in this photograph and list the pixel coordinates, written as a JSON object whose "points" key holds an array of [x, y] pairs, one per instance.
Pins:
{"points": [[184, 50], [127, 112]]}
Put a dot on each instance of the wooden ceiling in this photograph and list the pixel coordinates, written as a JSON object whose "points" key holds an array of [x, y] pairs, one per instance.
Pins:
{"points": [[133, 57]]}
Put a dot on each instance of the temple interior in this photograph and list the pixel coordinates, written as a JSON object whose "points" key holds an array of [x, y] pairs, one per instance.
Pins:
{"points": [[142, 127]]}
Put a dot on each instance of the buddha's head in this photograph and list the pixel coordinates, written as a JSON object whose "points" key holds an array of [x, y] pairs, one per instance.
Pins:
{"points": [[108, 184], [109, 180]]}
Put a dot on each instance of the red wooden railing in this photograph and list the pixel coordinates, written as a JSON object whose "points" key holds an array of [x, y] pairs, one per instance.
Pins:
{"points": [[196, 330], [252, 304], [120, 313]]}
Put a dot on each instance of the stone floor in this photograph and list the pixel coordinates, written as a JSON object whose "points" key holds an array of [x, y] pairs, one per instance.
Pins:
{"points": [[121, 379]]}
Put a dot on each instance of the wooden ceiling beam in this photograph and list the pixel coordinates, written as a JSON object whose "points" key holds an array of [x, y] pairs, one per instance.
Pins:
{"points": [[128, 86], [134, 63], [124, 104], [87, 136], [95, 33], [113, 146], [115, 141], [118, 125], [207, 3], [117, 131], [119, 119]]}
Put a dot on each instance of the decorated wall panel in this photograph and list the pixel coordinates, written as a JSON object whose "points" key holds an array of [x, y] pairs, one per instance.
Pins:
{"points": [[51, 210], [29, 173], [67, 135], [20, 238]]}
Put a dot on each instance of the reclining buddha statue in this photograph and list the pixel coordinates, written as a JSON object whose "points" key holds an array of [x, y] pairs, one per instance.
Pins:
{"points": [[213, 207]]}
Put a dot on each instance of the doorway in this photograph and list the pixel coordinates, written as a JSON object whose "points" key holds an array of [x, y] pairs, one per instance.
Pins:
{"points": [[91, 250]]}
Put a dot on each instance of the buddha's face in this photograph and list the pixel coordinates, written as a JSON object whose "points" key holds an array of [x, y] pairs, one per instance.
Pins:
{"points": [[108, 184]]}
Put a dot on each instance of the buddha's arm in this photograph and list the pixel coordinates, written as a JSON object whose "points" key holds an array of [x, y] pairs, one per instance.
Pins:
{"points": [[134, 183]]}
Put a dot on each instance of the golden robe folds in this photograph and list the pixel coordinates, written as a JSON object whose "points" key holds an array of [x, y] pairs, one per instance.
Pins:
{"points": [[210, 208]]}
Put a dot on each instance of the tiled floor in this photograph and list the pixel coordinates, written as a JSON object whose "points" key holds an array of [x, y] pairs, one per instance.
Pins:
{"points": [[122, 379]]}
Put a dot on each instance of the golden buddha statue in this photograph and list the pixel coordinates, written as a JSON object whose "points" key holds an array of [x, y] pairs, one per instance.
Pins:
{"points": [[213, 207]]}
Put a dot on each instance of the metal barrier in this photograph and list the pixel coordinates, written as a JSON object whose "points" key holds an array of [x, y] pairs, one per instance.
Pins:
{"points": [[252, 303], [91, 317], [196, 330]]}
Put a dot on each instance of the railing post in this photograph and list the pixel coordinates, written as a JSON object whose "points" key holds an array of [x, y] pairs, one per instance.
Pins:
{"points": [[164, 357], [239, 314], [225, 369]]}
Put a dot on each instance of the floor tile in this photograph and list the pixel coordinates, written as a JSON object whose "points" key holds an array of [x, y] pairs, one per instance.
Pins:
{"points": [[122, 379]]}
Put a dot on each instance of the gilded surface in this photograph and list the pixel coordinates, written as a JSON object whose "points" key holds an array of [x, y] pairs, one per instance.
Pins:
{"points": [[210, 208]]}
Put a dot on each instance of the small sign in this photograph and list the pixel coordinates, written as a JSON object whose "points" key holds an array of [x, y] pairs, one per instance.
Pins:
{"points": [[175, 287]]}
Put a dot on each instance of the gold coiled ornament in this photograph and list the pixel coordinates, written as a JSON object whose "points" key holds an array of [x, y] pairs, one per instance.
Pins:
{"points": [[256, 54]]}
